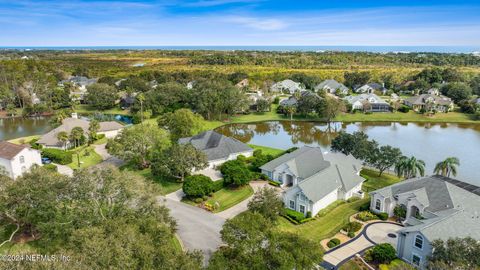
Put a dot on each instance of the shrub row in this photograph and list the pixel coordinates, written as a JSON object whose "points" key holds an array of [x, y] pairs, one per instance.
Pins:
{"points": [[57, 155], [366, 216]]}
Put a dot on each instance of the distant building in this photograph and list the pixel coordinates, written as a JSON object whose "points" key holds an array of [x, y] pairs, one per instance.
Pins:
{"points": [[370, 88], [217, 147], [368, 103], [313, 180], [287, 86], [433, 91], [436, 207], [109, 128], [18, 159], [332, 87], [81, 83], [427, 102], [191, 84]]}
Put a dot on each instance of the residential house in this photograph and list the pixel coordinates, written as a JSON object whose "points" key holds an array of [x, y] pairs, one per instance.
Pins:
{"points": [[427, 102], [242, 84], [109, 128], [436, 207], [293, 101], [217, 147], [17, 159], [371, 88], [433, 91], [313, 179], [368, 103], [287, 86], [191, 84], [81, 83], [332, 87]]}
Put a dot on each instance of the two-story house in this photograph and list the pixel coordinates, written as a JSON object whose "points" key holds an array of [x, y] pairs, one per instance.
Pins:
{"points": [[314, 179], [434, 207], [16, 159]]}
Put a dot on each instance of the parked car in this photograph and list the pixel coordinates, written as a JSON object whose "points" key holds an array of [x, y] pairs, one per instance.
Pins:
{"points": [[46, 160]]}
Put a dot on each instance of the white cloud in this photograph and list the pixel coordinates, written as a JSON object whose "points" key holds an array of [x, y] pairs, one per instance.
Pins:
{"points": [[257, 23]]}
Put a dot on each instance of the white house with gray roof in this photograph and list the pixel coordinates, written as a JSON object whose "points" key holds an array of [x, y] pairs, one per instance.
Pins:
{"points": [[314, 179], [368, 103], [217, 147], [436, 207], [287, 86], [332, 87]]}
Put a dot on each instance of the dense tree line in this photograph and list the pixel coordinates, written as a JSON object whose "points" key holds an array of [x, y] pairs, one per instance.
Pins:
{"points": [[100, 218]]}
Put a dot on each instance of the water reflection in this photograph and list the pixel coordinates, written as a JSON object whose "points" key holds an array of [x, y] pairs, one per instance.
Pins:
{"points": [[430, 142]]}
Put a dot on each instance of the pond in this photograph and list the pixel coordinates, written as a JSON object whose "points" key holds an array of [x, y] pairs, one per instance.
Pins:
{"points": [[11, 128], [429, 142]]}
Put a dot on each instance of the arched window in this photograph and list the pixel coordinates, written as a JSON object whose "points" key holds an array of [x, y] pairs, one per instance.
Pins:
{"points": [[419, 241], [378, 204]]}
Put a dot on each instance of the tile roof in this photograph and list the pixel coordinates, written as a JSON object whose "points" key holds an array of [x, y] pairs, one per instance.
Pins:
{"points": [[9, 150]]}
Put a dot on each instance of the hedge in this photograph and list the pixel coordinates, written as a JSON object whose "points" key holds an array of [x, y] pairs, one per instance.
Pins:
{"points": [[333, 242], [366, 216], [352, 226], [273, 183], [217, 185], [50, 167], [57, 155], [297, 216], [197, 185], [382, 216]]}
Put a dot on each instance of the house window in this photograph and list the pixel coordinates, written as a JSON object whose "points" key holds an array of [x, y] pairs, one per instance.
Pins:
{"points": [[302, 209], [418, 241], [292, 204], [416, 260], [378, 204], [22, 159]]}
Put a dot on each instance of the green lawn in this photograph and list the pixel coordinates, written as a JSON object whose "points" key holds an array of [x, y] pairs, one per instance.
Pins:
{"points": [[83, 108], [88, 158], [267, 150], [165, 185], [326, 226], [228, 197], [23, 140], [396, 264], [451, 117], [375, 182], [176, 243], [334, 217]]}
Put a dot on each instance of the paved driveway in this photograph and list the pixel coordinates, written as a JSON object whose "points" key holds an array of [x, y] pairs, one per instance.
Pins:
{"points": [[107, 158], [372, 234], [197, 228], [65, 170], [210, 172]]}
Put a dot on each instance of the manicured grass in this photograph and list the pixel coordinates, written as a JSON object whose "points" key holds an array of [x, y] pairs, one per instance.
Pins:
{"points": [[165, 185], [375, 182], [101, 141], [326, 226], [23, 140], [451, 117], [267, 150], [88, 158], [176, 243], [228, 197], [83, 108]]}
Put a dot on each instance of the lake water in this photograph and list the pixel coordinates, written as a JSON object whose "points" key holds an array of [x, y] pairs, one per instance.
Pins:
{"points": [[11, 128], [429, 142]]}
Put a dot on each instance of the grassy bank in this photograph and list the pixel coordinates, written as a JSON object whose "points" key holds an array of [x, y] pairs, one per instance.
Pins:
{"points": [[23, 140], [88, 158], [85, 109], [166, 186], [267, 150]]}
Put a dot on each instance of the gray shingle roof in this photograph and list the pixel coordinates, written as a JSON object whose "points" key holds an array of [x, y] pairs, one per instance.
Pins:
{"points": [[332, 84], [321, 173], [450, 204], [371, 98], [422, 99], [50, 138], [215, 145]]}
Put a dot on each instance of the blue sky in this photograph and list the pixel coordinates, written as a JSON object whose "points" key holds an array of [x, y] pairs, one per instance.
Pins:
{"points": [[239, 22]]}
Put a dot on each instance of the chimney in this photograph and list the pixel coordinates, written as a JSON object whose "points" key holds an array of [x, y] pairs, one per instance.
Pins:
{"points": [[75, 115]]}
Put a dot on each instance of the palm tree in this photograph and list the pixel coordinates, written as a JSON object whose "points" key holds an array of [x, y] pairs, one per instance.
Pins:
{"points": [[76, 134], [290, 110], [447, 167], [63, 137], [141, 99], [93, 128], [410, 167]]}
